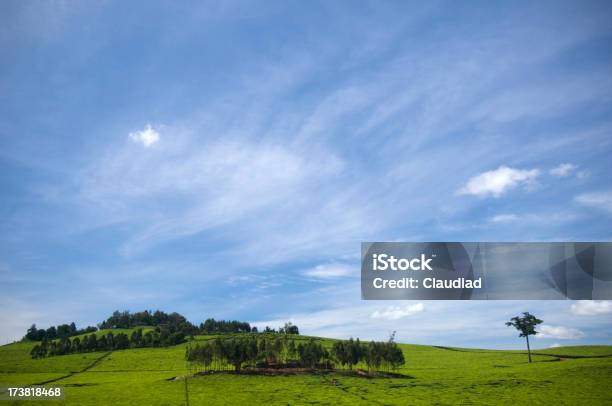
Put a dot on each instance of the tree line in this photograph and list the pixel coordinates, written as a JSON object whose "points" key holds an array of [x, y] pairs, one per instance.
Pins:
{"points": [[54, 332], [375, 355], [282, 351], [212, 326], [174, 322], [169, 329], [159, 337]]}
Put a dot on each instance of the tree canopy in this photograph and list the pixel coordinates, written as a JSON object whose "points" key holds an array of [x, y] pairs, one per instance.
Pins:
{"points": [[281, 351], [526, 325], [168, 329]]}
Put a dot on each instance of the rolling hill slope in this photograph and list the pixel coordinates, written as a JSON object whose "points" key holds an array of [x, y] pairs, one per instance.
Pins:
{"points": [[433, 375]]}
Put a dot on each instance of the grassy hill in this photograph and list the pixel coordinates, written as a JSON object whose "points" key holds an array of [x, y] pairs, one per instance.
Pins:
{"points": [[433, 375]]}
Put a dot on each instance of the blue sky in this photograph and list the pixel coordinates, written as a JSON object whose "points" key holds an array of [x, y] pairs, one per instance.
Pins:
{"points": [[226, 159]]}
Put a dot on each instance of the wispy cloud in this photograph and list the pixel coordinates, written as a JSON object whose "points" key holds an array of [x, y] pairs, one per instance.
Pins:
{"points": [[592, 307], [186, 188], [504, 218], [497, 182], [331, 271], [549, 217], [559, 332], [398, 312], [596, 200], [563, 170]]}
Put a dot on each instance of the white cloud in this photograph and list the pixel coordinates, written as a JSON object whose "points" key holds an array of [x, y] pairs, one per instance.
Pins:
{"points": [[591, 307], [559, 332], [562, 170], [598, 200], [497, 182], [147, 137], [398, 312], [548, 217], [555, 345], [504, 218], [330, 271]]}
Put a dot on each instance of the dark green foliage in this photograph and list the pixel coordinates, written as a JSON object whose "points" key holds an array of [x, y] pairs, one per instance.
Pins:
{"points": [[280, 351], [212, 326], [53, 332], [375, 355], [216, 354], [348, 353], [160, 337], [121, 342], [172, 322], [170, 329], [312, 353], [289, 328], [525, 324]]}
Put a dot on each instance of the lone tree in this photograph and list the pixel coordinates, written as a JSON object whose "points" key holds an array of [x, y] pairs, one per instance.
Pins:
{"points": [[526, 325]]}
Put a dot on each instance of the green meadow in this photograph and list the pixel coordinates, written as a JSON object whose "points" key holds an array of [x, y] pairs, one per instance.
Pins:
{"points": [[431, 376]]}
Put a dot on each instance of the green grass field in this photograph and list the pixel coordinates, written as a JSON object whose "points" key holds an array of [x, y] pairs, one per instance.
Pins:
{"points": [[434, 376]]}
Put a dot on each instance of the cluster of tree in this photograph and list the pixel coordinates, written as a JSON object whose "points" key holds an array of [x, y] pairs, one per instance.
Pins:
{"points": [[288, 328], [160, 337], [375, 355], [55, 332], [168, 327], [177, 322], [173, 321], [220, 354], [212, 326]]}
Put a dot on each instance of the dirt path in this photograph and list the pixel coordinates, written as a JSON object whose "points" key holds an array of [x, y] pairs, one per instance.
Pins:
{"points": [[88, 367], [186, 392], [561, 357], [566, 357]]}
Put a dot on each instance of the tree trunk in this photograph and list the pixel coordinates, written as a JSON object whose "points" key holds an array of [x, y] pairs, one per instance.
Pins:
{"points": [[528, 349]]}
